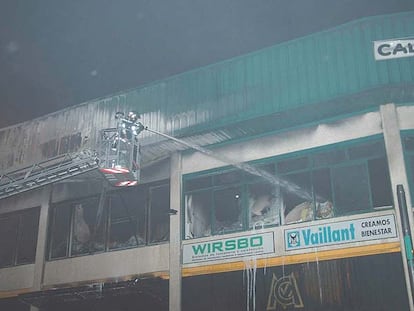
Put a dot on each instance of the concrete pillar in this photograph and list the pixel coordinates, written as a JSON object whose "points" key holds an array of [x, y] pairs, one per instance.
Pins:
{"points": [[175, 234], [42, 239], [398, 175]]}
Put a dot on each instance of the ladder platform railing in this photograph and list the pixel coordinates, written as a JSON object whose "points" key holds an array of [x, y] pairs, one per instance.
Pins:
{"points": [[47, 172]]}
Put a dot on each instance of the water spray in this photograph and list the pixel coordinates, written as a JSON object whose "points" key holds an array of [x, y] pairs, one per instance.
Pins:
{"points": [[274, 180], [130, 127]]}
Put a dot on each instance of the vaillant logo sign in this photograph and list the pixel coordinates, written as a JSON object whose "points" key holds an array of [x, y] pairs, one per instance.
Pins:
{"points": [[242, 246], [374, 228], [393, 48]]}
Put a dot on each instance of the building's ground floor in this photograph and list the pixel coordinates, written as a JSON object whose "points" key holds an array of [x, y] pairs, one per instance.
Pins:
{"points": [[372, 282], [306, 218]]}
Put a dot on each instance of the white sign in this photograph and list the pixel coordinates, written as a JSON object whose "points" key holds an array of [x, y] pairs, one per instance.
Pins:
{"points": [[358, 230], [242, 246], [389, 49]]}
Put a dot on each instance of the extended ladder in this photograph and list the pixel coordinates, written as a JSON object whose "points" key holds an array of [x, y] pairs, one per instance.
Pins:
{"points": [[47, 172]]}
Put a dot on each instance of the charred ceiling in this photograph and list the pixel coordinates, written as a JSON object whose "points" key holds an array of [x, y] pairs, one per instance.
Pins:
{"points": [[142, 293]]}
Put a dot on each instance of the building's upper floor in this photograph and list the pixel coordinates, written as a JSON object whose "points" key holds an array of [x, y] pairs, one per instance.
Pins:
{"points": [[318, 101], [305, 80]]}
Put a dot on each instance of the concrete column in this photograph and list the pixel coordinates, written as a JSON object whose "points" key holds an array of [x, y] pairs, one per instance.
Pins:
{"points": [[175, 234], [398, 175], [42, 239]]}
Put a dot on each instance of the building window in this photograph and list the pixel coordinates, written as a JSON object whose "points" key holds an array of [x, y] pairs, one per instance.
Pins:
{"points": [[117, 220], [316, 185], [75, 229], [228, 210], [408, 144], [127, 218], [60, 229], [18, 237], [215, 204], [263, 202], [88, 227], [27, 236], [159, 222]]}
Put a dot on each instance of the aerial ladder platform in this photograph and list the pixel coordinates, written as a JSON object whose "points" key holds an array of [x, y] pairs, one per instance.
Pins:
{"points": [[117, 157], [47, 172]]}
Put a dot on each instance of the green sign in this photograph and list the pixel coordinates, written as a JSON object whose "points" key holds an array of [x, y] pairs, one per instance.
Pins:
{"points": [[242, 246]]}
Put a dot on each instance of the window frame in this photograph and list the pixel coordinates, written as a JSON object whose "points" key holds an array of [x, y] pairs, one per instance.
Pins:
{"points": [[17, 245], [106, 221], [311, 167], [408, 155]]}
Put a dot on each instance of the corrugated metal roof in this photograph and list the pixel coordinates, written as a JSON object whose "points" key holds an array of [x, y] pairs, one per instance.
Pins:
{"points": [[305, 80], [317, 68]]}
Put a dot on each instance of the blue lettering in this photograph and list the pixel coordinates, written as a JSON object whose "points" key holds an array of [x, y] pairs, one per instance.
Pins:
{"points": [[306, 236]]}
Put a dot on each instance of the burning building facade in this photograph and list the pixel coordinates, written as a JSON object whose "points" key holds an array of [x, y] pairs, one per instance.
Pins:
{"points": [[266, 182]]}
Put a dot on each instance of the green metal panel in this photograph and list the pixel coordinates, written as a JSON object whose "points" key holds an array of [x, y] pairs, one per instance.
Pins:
{"points": [[320, 68]]}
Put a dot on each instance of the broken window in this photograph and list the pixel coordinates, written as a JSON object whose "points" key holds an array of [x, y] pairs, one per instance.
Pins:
{"points": [[77, 227], [88, 228], [265, 203], [319, 185], [127, 217], [298, 202], [198, 214], [159, 211], [214, 204], [124, 218], [228, 210]]}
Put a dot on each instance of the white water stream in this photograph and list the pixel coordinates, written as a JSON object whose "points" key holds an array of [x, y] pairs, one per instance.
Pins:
{"points": [[250, 263]]}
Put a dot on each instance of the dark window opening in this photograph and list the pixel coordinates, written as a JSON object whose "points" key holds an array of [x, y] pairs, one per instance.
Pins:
{"points": [[60, 231], [159, 214], [227, 178], [8, 241], [228, 211], [329, 157], [409, 143], [351, 189], [198, 183], [26, 250], [294, 164], [380, 183], [18, 237], [128, 216], [367, 150]]}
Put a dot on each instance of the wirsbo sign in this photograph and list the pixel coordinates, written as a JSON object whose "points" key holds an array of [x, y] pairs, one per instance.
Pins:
{"points": [[358, 230], [251, 245], [388, 49]]}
